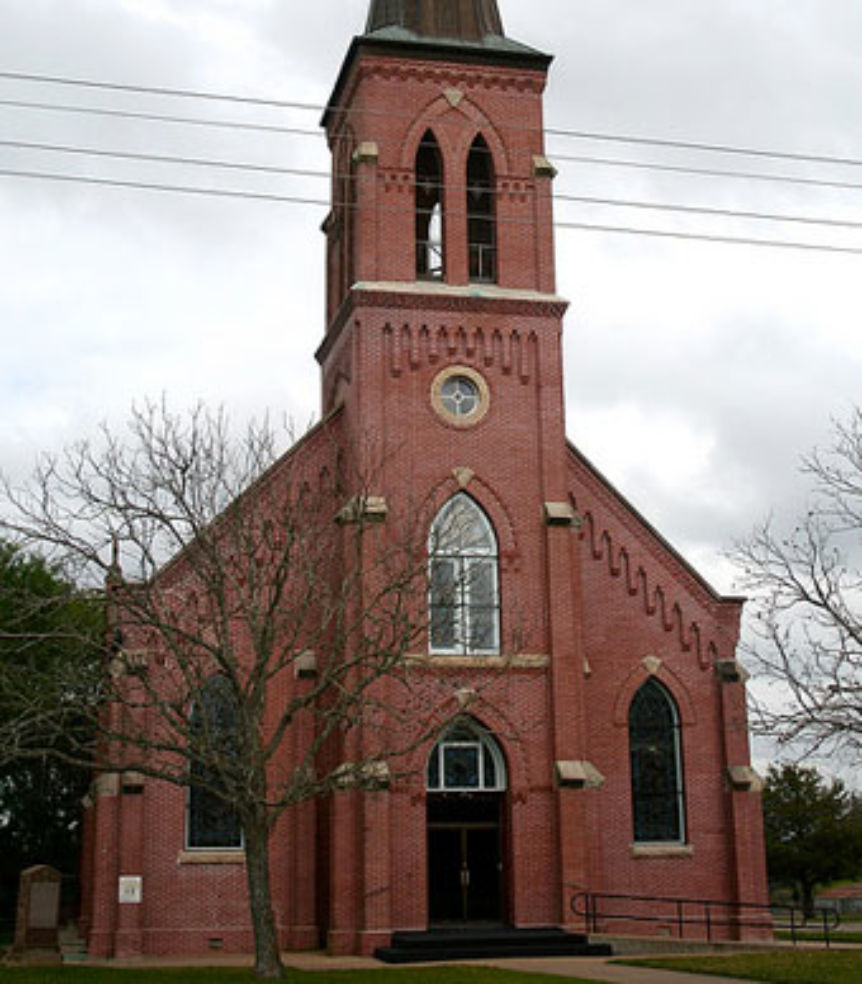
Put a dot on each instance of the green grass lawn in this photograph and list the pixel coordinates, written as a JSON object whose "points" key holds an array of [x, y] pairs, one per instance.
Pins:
{"points": [[203, 975], [811, 936], [785, 967]]}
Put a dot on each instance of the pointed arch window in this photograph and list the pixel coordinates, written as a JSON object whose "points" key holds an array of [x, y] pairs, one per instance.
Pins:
{"points": [[467, 759], [464, 594], [481, 213], [429, 210], [212, 821], [658, 800]]}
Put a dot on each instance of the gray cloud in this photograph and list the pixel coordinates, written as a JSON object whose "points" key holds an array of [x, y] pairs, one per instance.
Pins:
{"points": [[696, 374]]}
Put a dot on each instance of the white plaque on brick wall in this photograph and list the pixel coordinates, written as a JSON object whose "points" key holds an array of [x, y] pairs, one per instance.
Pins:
{"points": [[131, 889]]}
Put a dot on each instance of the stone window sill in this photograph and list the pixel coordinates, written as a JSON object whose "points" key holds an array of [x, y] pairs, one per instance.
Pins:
{"points": [[662, 850], [211, 857], [520, 662]]}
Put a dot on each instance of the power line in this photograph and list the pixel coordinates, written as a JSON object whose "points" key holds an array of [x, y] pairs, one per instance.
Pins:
{"points": [[294, 200], [154, 186], [159, 91], [159, 117], [705, 237], [317, 134], [162, 158], [565, 132], [557, 158], [298, 172], [704, 171], [705, 147], [728, 213]]}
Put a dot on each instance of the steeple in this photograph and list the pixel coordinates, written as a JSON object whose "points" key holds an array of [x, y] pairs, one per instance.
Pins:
{"points": [[461, 20]]}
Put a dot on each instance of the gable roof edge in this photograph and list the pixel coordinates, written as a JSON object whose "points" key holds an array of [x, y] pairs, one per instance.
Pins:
{"points": [[664, 543]]}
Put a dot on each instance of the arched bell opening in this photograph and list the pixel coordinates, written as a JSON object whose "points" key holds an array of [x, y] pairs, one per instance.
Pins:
{"points": [[481, 213], [430, 259]]}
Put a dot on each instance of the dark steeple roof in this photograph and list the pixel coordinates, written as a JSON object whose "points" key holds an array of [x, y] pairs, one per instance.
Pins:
{"points": [[461, 20], [468, 31]]}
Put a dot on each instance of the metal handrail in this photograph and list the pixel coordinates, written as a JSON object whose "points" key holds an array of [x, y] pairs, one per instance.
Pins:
{"points": [[708, 913]]}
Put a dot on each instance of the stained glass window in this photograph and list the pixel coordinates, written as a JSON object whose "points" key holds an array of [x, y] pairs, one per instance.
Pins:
{"points": [[212, 821], [460, 396], [656, 766], [463, 592]]}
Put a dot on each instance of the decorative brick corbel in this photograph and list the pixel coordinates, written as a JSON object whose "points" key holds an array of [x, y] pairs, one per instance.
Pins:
{"points": [[369, 776], [376, 776], [578, 775], [132, 784], [561, 514], [730, 671], [305, 666], [744, 779], [106, 784], [368, 509], [366, 153], [543, 168]]}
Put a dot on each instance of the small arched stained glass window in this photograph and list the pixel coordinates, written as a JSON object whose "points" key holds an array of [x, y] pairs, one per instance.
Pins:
{"points": [[658, 803]]}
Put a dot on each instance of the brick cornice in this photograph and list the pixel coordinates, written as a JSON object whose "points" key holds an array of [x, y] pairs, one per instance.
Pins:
{"points": [[525, 71], [460, 300], [462, 76], [471, 299]]}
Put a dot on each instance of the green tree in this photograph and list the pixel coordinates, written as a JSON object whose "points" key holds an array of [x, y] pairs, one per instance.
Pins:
{"points": [[813, 831], [43, 621]]}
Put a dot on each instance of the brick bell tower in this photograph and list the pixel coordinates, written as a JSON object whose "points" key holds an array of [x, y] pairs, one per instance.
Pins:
{"points": [[440, 243], [443, 355]]}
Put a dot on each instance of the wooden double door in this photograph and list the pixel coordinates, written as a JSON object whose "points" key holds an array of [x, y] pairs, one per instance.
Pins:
{"points": [[465, 859]]}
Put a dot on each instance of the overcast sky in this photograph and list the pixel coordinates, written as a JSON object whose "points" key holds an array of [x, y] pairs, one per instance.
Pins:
{"points": [[697, 373]]}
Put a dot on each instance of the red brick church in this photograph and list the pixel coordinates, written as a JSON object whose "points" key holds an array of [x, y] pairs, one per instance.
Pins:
{"points": [[606, 749]]}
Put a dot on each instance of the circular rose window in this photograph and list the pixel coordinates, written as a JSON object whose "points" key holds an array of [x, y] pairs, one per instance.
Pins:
{"points": [[460, 396]]}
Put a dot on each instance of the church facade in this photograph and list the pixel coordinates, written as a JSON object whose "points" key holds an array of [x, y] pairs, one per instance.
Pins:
{"points": [[603, 742]]}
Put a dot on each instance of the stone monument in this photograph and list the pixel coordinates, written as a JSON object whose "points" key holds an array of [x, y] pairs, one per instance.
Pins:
{"points": [[38, 915]]}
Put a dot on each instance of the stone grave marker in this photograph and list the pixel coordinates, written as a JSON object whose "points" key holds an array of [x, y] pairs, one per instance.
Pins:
{"points": [[38, 915]]}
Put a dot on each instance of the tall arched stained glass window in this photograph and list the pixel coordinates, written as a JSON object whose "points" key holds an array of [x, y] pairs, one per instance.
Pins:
{"points": [[464, 598], [658, 803], [212, 821]]}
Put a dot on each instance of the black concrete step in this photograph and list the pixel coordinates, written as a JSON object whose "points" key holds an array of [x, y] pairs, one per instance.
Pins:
{"points": [[471, 944]]}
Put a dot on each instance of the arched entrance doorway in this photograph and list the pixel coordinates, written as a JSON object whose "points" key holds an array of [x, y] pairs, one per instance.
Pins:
{"points": [[466, 785]]}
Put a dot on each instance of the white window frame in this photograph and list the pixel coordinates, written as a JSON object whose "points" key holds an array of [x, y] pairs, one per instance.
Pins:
{"points": [[482, 741], [464, 560]]}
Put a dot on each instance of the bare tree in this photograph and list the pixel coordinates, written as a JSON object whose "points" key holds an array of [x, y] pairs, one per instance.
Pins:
{"points": [[807, 588], [245, 595]]}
